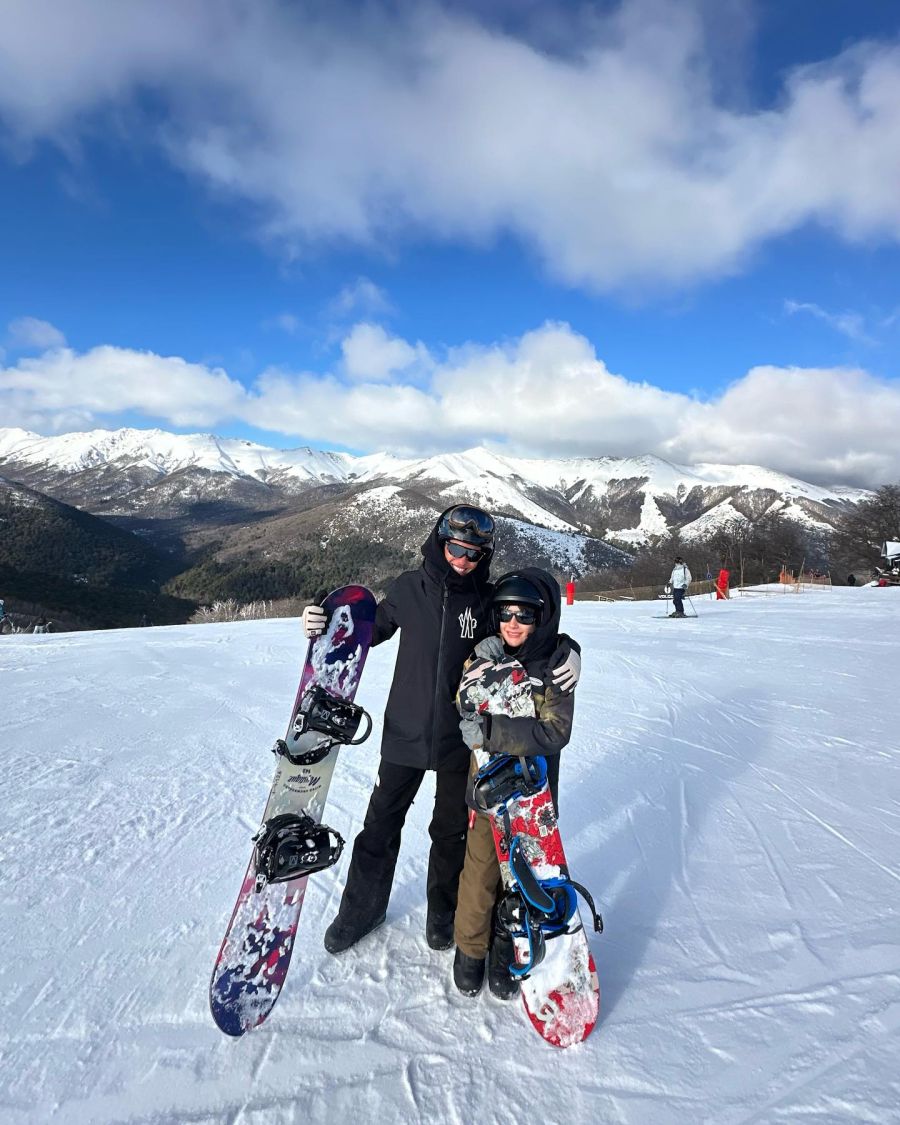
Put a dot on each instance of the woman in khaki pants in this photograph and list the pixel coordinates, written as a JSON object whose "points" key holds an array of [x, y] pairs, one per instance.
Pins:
{"points": [[523, 714]]}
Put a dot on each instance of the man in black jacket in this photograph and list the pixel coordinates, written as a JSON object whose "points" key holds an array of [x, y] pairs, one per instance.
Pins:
{"points": [[442, 612]]}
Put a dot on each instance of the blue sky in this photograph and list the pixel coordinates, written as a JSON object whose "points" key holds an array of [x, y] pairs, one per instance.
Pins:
{"points": [[558, 230]]}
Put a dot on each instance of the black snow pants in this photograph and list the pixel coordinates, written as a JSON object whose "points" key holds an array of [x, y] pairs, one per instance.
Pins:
{"points": [[375, 850], [678, 593]]}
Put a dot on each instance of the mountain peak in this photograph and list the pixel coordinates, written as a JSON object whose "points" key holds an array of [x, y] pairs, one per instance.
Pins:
{"points": [[622, 497]]}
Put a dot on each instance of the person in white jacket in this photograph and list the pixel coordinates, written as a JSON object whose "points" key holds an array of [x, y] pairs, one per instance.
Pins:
{"points": [[679, 581]]}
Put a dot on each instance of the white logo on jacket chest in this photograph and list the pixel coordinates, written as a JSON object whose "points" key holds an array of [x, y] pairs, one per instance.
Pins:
{"points": [[467, 625]]}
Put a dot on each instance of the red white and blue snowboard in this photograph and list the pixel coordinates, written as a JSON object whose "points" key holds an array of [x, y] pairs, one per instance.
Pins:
{"points": [[256, 951], [562, 993]]}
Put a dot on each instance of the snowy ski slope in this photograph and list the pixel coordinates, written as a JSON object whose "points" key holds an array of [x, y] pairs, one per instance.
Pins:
{"points": [[731, 798]]}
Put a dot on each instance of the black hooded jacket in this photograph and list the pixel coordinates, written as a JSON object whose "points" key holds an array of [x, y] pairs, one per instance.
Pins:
{"points": [[441, 617]]}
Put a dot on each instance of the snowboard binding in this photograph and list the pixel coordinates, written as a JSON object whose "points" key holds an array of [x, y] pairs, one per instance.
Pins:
{"points": [[291, 845], [504, 779], [335, 718], [539, 909]]}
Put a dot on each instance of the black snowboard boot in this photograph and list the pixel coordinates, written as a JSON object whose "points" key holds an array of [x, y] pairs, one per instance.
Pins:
{"points": [[439, 931], [344, 932], [468, 973], [500, 982]]}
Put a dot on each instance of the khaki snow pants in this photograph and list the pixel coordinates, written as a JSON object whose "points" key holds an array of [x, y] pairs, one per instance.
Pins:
{"points": [[479, 886]]}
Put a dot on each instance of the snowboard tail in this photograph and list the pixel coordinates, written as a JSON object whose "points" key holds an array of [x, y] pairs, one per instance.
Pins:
{"points": [[255, 953], [561, 994]]}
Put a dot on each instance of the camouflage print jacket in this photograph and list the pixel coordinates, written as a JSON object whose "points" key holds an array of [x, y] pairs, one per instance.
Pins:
{"points": [[522, 712]]}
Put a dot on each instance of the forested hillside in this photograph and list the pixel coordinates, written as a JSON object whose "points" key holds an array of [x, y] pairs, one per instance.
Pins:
{"points": [[55, 559]]}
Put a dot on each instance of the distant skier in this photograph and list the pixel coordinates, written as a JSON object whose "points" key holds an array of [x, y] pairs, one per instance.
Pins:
{"points": [[441, 610], [42, 625], [6, 625], [679, 581], [525, 625]]}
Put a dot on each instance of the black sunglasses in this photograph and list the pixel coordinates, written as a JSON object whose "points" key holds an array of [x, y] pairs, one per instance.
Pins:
{"points": [[525, 616], [458, 551]]}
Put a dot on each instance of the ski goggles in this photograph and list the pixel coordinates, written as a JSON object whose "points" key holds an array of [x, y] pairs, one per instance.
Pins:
{"points": [[525, 614], [458, 551], [468, 523]]}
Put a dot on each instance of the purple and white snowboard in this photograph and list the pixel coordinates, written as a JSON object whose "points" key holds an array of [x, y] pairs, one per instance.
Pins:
{"points": [[256, 951]]}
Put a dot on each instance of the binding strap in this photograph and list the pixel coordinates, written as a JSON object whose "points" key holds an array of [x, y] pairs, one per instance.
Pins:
{"points": [[539, 910]]}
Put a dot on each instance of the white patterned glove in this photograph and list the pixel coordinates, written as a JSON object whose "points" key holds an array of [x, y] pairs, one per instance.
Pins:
{"points": [[313, 621], [566, 675]]}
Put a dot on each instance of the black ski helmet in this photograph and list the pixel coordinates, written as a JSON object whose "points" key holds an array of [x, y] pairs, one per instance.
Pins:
{"points": [[468, 524], [514, 589]]}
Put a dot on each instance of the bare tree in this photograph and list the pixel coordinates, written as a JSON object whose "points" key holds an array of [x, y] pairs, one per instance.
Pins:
{"points": [[857, 543], [753, 550]]}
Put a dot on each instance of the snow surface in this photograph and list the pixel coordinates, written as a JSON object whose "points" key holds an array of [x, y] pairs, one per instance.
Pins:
{"points": [[652, 522], [730, 797], [567, 553]]}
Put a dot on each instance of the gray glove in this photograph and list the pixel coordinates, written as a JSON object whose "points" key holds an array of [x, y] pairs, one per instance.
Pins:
{"points": [[566, 675], [313, 620], [472, 731], [491, 648]]}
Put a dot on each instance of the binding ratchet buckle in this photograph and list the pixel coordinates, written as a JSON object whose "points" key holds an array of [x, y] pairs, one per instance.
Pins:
{"points": [[504, 779], [337, 719], [291, 845], [538, 910]]}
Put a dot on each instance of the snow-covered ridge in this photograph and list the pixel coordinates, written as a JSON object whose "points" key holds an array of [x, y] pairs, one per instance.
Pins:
{"points": [[667, 478], [166, 452], [632, 499]]}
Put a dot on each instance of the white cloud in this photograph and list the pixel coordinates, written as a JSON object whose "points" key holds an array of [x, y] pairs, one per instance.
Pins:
{"points": [[361, 297], [323, 410], [850, 324], [61, 385], [371, 355], [822, 424], [545, 394], [612, 159], [27, 333]]}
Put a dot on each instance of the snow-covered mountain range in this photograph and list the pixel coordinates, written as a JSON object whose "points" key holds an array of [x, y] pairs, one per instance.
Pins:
{"points": [[629, 500]]}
